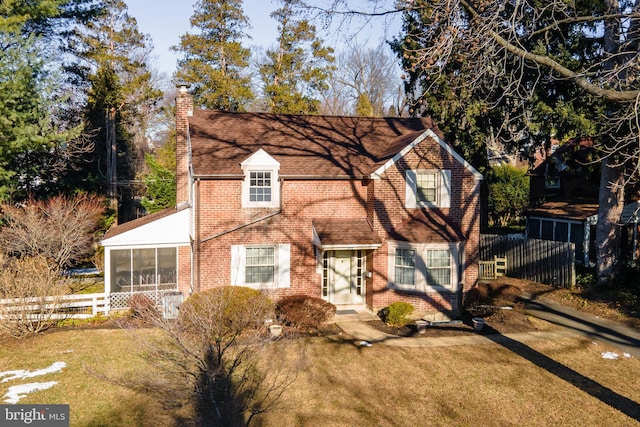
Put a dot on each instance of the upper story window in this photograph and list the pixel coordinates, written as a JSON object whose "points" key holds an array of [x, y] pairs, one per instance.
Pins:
{"points": [[428, 188], [260, 187]]}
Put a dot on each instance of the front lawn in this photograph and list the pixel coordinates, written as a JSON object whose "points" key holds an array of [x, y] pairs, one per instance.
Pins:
{"points": [[565, 382]]}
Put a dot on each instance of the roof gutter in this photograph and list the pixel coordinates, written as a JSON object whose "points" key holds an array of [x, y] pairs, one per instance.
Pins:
{"points": [[287, 177]]}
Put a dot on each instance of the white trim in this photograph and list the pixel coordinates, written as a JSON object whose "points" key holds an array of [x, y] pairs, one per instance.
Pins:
{"points": [[377, 174], [349, 247], [172, 230], [282, 266], [456, 256], [260, 161], [443, 188]]}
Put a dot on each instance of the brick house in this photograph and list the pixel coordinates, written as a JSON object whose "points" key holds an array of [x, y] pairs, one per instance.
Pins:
{"points": [[354, 210]]}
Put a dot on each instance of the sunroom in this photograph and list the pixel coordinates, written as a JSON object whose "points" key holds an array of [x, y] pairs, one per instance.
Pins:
{"points": [[142, 257]]}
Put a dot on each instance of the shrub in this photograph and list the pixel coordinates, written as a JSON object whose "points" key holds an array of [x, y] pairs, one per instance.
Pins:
{"points": [[217, 358], [302, 311], [229, 310], [397, 314], [142, 307], [33, 279]]}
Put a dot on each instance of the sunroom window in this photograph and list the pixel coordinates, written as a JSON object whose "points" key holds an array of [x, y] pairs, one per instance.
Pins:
{"points": [[138, 270]]}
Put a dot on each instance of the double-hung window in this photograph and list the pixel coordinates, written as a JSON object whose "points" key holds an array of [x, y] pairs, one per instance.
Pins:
{"points": [[424, 267], [405, 268], [427, 188], [260, 186], [260, 265], [438, 263], [261, 183]]}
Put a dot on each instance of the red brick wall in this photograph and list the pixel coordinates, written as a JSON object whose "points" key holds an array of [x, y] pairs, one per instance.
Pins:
{"points": [[390, 210], [219, 206], [184, 269], [184, 108]]}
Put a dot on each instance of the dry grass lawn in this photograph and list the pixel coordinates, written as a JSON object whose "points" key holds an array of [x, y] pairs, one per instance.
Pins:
{"points": [[556, 383]]}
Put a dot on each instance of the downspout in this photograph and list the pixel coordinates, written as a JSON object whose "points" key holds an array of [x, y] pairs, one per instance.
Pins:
{"points": [[197, 232]]}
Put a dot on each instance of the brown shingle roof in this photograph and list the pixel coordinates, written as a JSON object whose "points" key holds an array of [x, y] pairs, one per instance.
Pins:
{"points": [[330, 146], [345, 232], [425, 226], [578, 210]]}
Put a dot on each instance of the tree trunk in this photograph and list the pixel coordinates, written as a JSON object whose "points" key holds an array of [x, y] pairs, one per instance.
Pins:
{"points": [[611, 203], [112, 166]]}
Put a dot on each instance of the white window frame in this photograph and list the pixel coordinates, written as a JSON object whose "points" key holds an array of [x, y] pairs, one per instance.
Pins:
{"points": [[443, 188], [412, 255], [260, 162], [430, 268], [260, 177], [422, 282], [281, 273]]}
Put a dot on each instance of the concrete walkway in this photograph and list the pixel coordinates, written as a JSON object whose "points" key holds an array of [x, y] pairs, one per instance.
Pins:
{"points": [[611, 333], [573, 324]]}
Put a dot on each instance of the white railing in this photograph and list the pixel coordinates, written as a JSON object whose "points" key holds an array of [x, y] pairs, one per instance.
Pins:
{"points": [[81, 306]]}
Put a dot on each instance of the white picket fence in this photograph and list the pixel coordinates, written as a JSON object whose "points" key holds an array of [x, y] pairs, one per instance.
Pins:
{"points": [[63, 307]]}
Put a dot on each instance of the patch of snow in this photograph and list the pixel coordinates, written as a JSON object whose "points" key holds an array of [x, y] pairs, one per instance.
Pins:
{"points": [[365, 344], [627, 355], [17, 392], [22, 374], [609, 355]]}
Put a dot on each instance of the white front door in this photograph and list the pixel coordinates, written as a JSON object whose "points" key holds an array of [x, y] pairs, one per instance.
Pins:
{"points": [[342, 277]]}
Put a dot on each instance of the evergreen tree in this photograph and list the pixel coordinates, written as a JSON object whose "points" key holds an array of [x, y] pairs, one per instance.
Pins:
{"points": [[161, 180], [214, 60], [298, 69], [363, 106], [120, 96], [32, 139]]}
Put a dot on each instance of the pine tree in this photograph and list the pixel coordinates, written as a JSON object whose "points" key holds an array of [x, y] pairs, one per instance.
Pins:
{"points": [[120, 97], [297, 70], [32, 138], [214, 60]]}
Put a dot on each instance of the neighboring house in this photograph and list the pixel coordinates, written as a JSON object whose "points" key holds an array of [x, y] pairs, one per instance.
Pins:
{"points": [[354, 210], [564, 197], [564, 185]]}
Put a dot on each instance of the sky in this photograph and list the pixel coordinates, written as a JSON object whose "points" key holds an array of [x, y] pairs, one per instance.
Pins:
{"points": [[166, 20]]}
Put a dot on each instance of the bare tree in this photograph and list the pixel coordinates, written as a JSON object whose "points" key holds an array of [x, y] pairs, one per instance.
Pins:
{"points": [[362, 73], [59, 229], [30, 296], [515, 47], [216, 358]]}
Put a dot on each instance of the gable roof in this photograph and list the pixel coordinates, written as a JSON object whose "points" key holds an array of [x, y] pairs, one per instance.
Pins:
{"points": [[169, 225], [305, 146]]}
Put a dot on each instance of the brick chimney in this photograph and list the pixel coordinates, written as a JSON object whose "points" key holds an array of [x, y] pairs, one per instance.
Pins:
{"points": [[184, 110]]}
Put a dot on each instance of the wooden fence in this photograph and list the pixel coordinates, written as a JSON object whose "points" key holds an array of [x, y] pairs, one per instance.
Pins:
{"points": [[63, 307], [543, 261]]}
